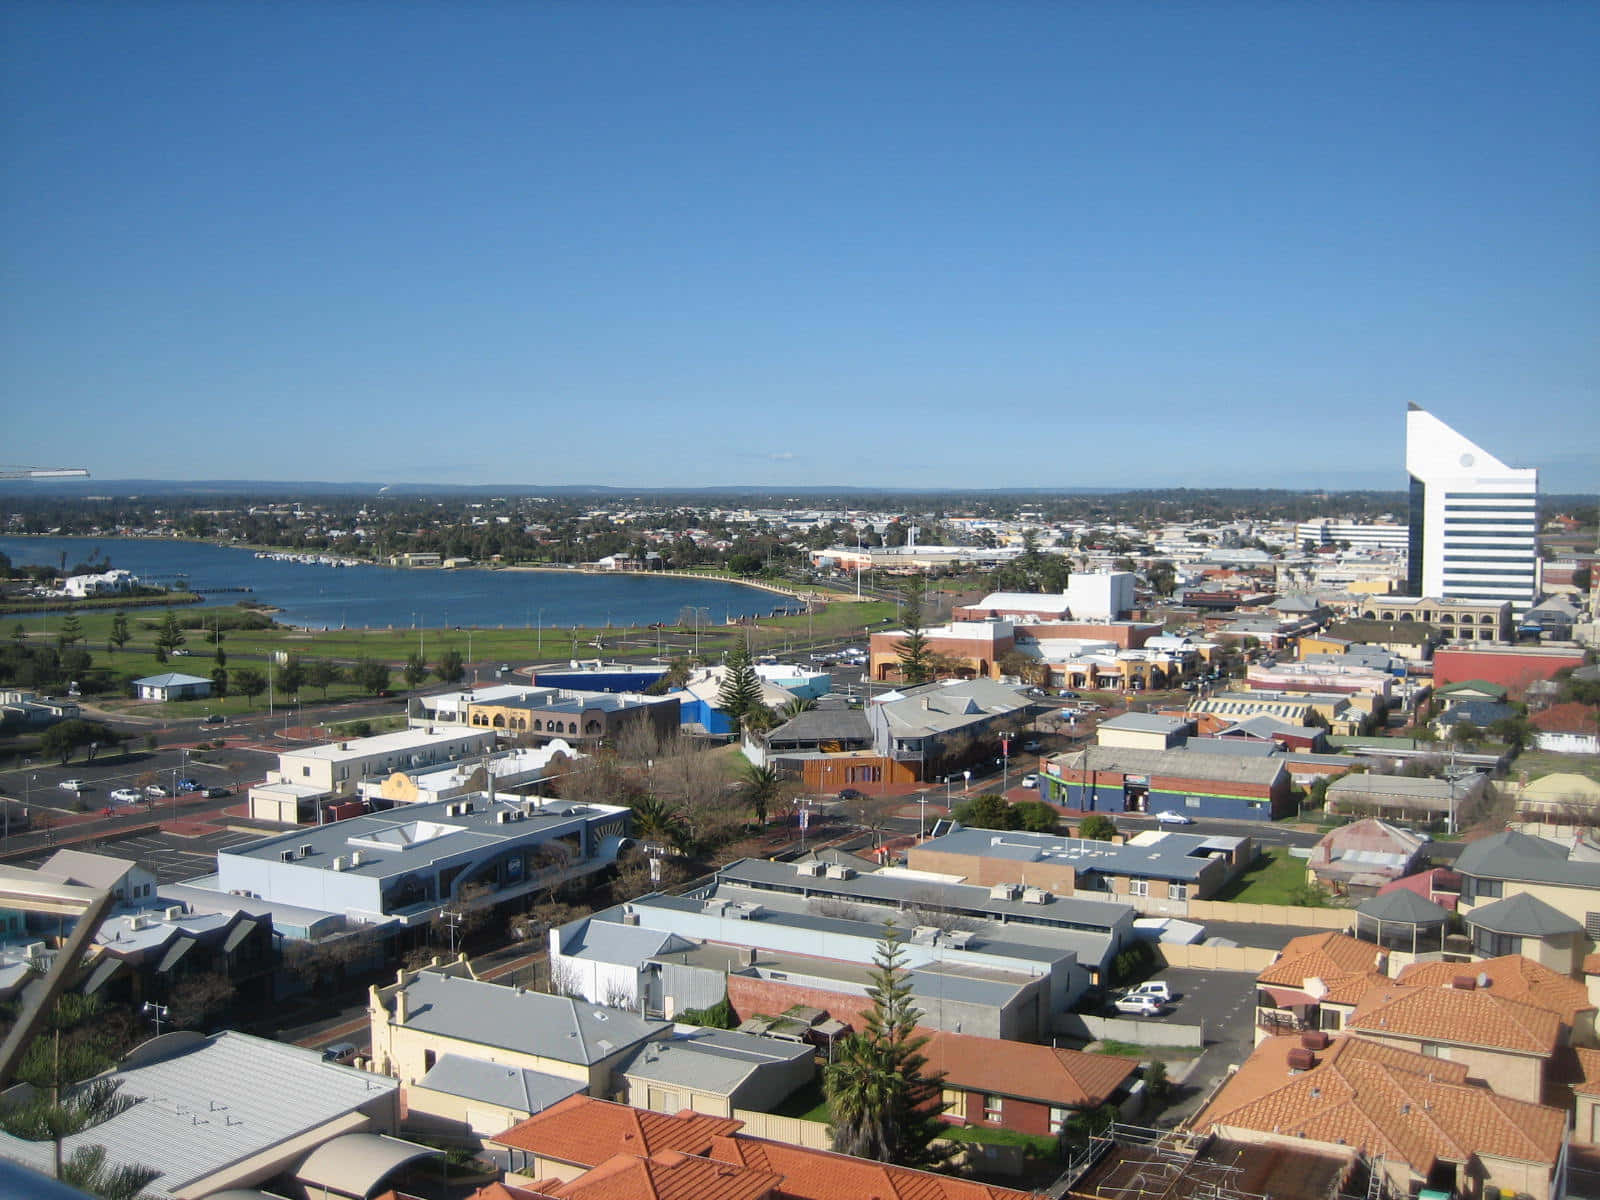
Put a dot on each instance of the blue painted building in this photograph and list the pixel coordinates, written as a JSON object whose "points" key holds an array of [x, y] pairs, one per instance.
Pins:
{"points": [[1114, 779]]}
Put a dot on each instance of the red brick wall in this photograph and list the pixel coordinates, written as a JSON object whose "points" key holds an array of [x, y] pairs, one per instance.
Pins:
{"points": [[1511, 670], [1019, 1116], [749, 995]]}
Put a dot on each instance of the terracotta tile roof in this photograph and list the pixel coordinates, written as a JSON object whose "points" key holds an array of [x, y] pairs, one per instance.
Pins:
{"points": [[1587, 1079], [1325, 956], [1511, 977], [1350, 988], [1384, 1101], [1571, 717], [1591, 964], [587, 1131], [819, 1175], [1448, 1014], [504, 1191], [669, 1175], [1068, 1078]]}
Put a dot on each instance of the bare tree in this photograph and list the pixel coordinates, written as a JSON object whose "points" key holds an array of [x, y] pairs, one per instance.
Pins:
{"points": [[924, 907]]}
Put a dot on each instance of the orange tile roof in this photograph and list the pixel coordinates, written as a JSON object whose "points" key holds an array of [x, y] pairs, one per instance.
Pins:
{"points": [[1588, 1071], [1350, 988], [1447, 1014], [669, 1175], [587, 1131], [1511, 977], [1383, 1101], [1325, 956], [1068, 1078], [819, 1175], [1591, 964]]}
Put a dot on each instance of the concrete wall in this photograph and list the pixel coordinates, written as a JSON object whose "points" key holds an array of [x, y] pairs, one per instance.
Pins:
{"points": [[1138, 1033], [1309, 919], [443, 1114], [1203, 957], [813, 1135]]}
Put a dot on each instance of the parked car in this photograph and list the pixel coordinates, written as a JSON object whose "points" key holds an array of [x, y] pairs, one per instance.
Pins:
{"points": [[851, 794], [188, 785], [1137, 1006], [155, 791], [126, 796], [1168, 816], [339, 1052], [215, 719], [216, 793], [1030, 780], [73, 785], [1033, 744], [1157, 989]]}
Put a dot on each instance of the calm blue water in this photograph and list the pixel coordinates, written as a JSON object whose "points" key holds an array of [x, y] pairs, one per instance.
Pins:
{"points": [[378, 597]]}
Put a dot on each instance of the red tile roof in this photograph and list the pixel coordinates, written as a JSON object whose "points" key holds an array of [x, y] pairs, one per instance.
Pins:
{"points": [[1325, 956], [1449, 1014], [1571, 717], [1511, 977], [819, 1175], [587, 1131], [669, 1175], [1439, 884], [1066, 1078], [1383, 1101]]}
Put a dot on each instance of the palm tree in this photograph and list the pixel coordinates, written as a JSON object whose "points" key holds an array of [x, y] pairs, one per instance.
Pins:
{"points": [[861, 1095], [761, 787], [793, 708], [654, 820]]}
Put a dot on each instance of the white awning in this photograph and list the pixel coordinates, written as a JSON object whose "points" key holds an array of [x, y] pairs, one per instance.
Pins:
{"points": [[355, 1164]]}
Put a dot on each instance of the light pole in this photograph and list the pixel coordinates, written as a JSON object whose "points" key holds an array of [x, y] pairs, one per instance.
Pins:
{"points": [[539, 634], [947, 794], [922, 815], [157, 1012]]}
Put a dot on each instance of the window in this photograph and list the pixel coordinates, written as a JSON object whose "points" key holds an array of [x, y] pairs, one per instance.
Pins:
{"points": [[993, 1109], [955, 1102], [1482, 889], [1177, 891], [305, 772], [1191, 802], [1138, 887], [1488, 944], [1058, 1118], [1431, 1050]]}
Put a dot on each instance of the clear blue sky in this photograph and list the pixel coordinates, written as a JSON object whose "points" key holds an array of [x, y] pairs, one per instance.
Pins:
{"points": [[979, 244]]}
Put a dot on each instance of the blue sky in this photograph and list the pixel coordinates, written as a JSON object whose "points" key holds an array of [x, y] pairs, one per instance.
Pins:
{"points": [[980, 244]]}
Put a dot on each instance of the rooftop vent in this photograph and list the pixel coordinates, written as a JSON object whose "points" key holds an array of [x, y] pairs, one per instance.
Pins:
{"points": [[1314, 1039], [1301, 1059], [836, 871], [340, 863], [1035, 895], [811, 869], [286, 855], [631, 918], [305, 849], [175, 912], [1464, 983], [503, 818], [355, 858], [1005, 891]]}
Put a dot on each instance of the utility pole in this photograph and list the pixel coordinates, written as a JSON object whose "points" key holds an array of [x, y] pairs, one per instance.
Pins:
{"points": [[452, 919]]}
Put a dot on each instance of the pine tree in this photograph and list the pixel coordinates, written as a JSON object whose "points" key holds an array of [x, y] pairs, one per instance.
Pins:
{"points": [[119, 630], [740, 696], [883, 1101], [71, 629], [916, 656]]}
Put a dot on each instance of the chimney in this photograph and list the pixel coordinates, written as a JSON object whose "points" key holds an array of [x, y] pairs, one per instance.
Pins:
{"points": [[1464, 983], [401, 1008]]}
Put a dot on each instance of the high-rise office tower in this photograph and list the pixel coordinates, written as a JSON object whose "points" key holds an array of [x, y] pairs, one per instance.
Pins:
{"points": [[1474, 520]]}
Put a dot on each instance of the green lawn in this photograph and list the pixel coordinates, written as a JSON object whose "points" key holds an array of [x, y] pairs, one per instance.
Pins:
{"points": [[808, 1104], [1037, 1144], [1539, 763], [1274, 878]]}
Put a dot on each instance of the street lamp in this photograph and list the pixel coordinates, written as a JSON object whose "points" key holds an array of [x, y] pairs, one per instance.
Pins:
{"points": [[158, 1012], [947, 794], [922, 815]]}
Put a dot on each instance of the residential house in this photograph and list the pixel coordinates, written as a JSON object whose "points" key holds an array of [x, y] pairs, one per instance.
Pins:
{"points": [[1315, 982], [1359, 858], [1532, 896], [717, 1071], [1569, 728], [1420, 1115], [1419, 800], [1515, 977], [1562, 800], [1022, 1087]]}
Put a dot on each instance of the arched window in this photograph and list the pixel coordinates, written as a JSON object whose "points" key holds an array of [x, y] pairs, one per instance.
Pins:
{"points": [[499, 720], [1484, 620], [592, 728], [538, 724]]}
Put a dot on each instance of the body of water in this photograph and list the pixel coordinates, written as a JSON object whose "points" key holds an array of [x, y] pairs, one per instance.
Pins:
{"points": [[378, 597]]}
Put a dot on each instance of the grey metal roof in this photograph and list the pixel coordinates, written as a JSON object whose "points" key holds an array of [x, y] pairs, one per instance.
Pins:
{"points": [[823, 724], [207, 1103], [1138, 722], [1402, 905], [1156, 854], [554, 1027], [629, 945], [1523, 914], [718, 1061], [1179, 763], [497, 1083], [1237, 747]]}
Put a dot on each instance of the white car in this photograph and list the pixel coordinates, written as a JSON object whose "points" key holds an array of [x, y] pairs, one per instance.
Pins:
{"points": [[1157, 989], [1168, 816], [73, 785], [1030, 781], [126, 796], [156, 792], [1138, 1006]]}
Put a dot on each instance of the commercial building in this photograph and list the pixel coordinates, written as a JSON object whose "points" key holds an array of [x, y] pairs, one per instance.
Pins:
{"points": [[1513, 667], [1116, 780], [1385, 536], [500, 771], [403, 865], [1474, 521], [309, 778], [534, 715], [1455, 619]]}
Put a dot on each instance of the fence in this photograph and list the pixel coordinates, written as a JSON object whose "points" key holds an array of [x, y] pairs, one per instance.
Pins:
{"points": [[1271, 914], [1139, 1033], [811, 1135], [1206, 957]]}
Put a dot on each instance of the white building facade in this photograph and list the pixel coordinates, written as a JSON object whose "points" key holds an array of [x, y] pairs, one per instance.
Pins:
{"points": [[1474, 521]]}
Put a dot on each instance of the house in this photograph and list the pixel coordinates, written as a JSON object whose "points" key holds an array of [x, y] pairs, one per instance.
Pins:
{"points": [[1480, 690], [1515, 977], [1560, 799], [1568, 729], [427, 1014], [1359, 858], [600, 1150], [1431, 1127], [717, 1071], [230, 1111], [1419, 800], [1149, 870], [1532, 896], [469, 1099], [937, 726], [173, 685], [1117, 780], [1026, 1088], [1315, 982]]}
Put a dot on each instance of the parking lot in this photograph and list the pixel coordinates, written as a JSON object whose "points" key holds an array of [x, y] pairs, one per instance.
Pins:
{"points": [[172, 857], [39, 783], [1223, 1004]]}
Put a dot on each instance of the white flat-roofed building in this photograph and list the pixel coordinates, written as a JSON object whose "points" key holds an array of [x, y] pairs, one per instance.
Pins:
{"points": [[335, 768], [406, 864], [1387, 536], [1474, 520]]}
